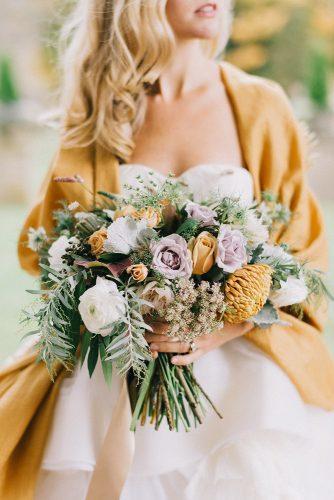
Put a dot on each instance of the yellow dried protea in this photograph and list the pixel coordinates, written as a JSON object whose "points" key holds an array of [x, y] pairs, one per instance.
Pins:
{"points": [[246, 292]]}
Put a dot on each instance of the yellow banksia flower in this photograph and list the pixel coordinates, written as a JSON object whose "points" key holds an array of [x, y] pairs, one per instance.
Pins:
{"points": [[246, 292]]}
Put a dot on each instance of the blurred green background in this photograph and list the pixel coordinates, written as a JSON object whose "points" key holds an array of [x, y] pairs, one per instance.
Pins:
{"points": [[291, 41]]}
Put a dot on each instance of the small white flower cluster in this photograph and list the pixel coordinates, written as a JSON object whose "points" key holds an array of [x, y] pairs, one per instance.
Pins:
{"points": [[36, 238]]}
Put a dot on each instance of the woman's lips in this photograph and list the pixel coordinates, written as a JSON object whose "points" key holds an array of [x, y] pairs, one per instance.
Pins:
{"points": [[207, 10]]}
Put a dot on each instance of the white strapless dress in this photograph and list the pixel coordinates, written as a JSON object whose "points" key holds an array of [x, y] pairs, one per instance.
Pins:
{"points": [[270, 444]]}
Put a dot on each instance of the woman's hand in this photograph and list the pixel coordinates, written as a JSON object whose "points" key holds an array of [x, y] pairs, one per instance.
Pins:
{"points": [[160, 342]]}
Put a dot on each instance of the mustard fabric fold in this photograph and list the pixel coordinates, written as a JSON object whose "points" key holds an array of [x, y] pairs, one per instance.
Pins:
{"points": [[27, 401], [274, 152]]}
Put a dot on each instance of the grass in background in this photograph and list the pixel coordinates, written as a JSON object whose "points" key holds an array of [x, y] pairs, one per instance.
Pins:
{"points": [[14, 282]]}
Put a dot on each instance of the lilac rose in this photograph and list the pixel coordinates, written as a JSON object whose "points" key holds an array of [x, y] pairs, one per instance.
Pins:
{"points": [[231, 253], [171, 257], [205, 215]]}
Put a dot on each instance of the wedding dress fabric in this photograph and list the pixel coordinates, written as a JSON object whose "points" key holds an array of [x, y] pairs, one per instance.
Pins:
{"points": [[270, 444]]}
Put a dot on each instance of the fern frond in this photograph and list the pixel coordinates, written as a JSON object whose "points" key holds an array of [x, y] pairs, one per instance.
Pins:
{"points": [[128, 348], [57, 323]]}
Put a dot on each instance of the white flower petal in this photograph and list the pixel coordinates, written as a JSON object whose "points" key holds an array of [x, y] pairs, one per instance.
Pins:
{"points": [[101, 305], [292, 291], [123, 234]]}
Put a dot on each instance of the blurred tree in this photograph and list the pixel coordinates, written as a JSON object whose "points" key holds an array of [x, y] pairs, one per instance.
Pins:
{"points": [[277, 39], [8, 90], [318, 81]]}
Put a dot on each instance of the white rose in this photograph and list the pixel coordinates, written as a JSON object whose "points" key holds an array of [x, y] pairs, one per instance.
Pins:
{"points": [[160, 297], [292, 291], [123, 234], [255, 231], [101, 305]]}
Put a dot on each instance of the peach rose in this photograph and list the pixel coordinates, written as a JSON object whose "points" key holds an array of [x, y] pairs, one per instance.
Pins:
{"points": [[204, 250], [96, 241], [128, 210], [164, 203], [138, 271], [150, 214]]}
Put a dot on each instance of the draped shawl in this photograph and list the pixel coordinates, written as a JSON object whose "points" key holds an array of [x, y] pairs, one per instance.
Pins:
{"points": [[275, 153]]}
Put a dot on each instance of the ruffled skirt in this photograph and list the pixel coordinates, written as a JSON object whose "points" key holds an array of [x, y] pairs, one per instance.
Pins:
{"points": [[270, 444]]}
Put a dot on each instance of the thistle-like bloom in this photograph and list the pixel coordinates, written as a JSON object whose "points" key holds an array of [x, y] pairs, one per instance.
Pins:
{"points": [[70, 179], [36, 238]]}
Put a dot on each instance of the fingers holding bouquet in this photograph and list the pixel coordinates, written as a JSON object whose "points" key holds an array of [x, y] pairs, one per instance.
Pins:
{"points": [[186, 352]]}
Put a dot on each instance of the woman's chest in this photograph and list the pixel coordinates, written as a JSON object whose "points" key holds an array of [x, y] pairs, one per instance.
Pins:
{"points": [[174, 137]]}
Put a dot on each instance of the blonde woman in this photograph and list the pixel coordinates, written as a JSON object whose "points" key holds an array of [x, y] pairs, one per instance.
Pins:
{"points": [[143, 94]]}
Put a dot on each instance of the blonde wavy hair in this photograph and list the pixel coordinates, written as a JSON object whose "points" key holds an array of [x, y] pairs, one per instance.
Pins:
{"points": [[112, 52]]}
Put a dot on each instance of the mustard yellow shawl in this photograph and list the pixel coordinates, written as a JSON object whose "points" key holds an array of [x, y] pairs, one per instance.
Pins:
{"points": [[275, 153]]}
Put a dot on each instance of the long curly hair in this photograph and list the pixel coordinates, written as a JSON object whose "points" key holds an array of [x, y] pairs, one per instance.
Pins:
{"points": [[111, 53]]}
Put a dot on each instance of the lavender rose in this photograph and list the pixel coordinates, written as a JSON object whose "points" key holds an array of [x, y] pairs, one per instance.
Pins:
{"points": [[203, 214], [231, 249], [171, 257]]}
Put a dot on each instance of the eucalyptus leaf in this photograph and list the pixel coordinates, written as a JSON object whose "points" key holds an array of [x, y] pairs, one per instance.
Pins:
{"points": [[267, 316], [51, 271], [40, 292]]}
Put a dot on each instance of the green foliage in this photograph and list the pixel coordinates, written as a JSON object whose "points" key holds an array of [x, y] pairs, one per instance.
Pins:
{"points": [[272, 212], [315, 281], [93, 355], [88, 225], [58, 320], [188, 229], [267, 316], [152, 194], [128, 348], [64, 219], [230, 211]]}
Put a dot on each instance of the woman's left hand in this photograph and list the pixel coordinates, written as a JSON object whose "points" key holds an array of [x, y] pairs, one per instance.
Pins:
{"points": [[160, 342]]}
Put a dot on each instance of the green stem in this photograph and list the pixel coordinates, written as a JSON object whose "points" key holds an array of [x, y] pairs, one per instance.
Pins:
{"points": [[204, 394], [165, 369], [145, 386], [191, 400]]}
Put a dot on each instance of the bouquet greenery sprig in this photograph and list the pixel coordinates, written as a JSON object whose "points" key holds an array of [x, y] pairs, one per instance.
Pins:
{"points": [[156, 254]]}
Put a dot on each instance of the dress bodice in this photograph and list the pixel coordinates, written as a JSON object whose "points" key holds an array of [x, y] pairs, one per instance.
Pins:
{"points": [[202, 180]]}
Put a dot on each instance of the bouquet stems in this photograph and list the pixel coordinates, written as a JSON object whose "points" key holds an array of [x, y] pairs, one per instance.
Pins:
{"points": [[171, 392]]}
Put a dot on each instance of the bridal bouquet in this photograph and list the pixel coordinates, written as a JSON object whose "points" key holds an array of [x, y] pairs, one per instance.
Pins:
{"points": [[156, 254]]}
